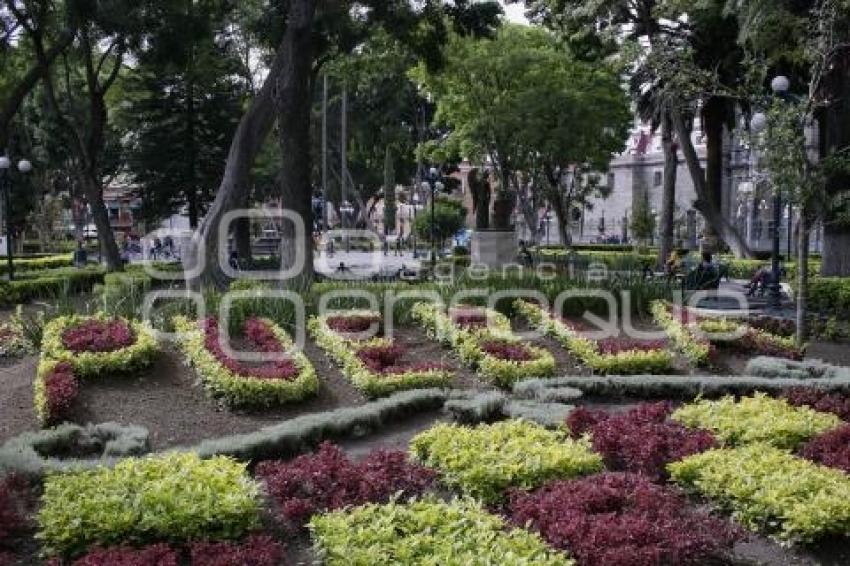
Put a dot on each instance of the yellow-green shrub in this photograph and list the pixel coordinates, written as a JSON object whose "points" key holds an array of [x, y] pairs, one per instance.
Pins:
{"points": [[486, 460], [176, 497], [757, 419], [695, 349], [426, 532], [772, 490]]}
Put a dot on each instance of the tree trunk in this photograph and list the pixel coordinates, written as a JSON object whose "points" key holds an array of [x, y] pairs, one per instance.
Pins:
{"points": [[191, 183], [389, 193], [802, 279], [253, 129], [668, 197], [712, 124], [705, 204], [100, 216], [561, 210], [293, 101], [835, 137], [242, 233]]}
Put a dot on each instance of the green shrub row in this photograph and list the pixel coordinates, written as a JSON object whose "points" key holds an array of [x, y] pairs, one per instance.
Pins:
{"points": [[23, 265], [344, 352], [756, 419], [50, 285], [586, 350], [426, 532], [467, 345], [830, 295], [174, 497], [486, 460], [245, 391], [764, 366], [771, 490]]}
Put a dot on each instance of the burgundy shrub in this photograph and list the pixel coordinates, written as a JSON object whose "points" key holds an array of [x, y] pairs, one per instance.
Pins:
{"points": [[823, 401], [352, 324], [503, 350], [13, 505], [257, 550], [642, 440], [619, 519], [98, 336], [263, 339], [388, 360], [754, 341], [469, 317], [153, 555], [779, 326], [7, 558], [614, 346], [327, 480], [61, 389], [830, 449]]}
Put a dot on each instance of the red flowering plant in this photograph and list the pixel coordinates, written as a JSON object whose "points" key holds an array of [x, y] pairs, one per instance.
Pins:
{"points": [[388, 359], [262, 339], [614, 346], [151, 555], [506, 350], [14, 501], [256, 550], [620, 519], [830, 449], [95, 335], [642, 440], [285, 376], [819, 400], [328, 480], [356, 323], [56, 388], [469, 317]]}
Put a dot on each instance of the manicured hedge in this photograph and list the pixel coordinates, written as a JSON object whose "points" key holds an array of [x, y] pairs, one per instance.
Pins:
{"points": [[25, 264], [176, 497], [228, 380], [426, 532], [757, 419], [616, 519], [327, 480], [384, 376], [771, 490], [820, 400], [473, 344], [641, 440], [631, 360], [486, 460], [50, 284], [830, 295], [55, 390], [88, 364]]}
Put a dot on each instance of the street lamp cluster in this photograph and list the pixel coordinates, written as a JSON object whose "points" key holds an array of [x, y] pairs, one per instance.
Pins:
{"points": [[759, 124], [24, 166]]}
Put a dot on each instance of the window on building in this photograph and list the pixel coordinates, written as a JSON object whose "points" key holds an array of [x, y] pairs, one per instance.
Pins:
{"points": [[658, 179]]}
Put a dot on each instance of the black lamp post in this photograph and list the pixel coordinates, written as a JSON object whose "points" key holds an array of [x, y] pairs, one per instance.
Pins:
{"points": [[24, 166], [434, 184], [779, 85]]}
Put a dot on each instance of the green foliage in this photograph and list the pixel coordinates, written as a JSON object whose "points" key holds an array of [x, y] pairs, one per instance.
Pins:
{"points": [[177, 497], [132, 358], [757, 419], [241, 391], [764, 366], [695, 349], [23, 265], [643, 221], [480, 407], [426, 531], [50, 284], [771, 490], [550, 415], [486, 460], [449, 219], [830, 295]]}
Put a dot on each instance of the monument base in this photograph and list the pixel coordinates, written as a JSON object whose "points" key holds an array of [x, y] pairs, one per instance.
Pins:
{"points": [[494, 248]]}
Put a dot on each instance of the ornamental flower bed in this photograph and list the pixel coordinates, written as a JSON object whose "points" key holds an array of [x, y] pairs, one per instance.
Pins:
{"points": [[13, 343], [830, 449], [822, 401], [290, 377], [176, 497], [353, 323], [695, 336], [617, 519], [486, 460], [375, 366], [611, 356], [327, 480], [492, 349], [757, 419], [771, 490], [642, 440], [426, 532], [56, 389], [98, 345]]}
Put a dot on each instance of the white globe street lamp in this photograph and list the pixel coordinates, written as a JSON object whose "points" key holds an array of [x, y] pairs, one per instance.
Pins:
{"points": [[780, 85], [5, 162], [758, 123], [24, 166]]}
